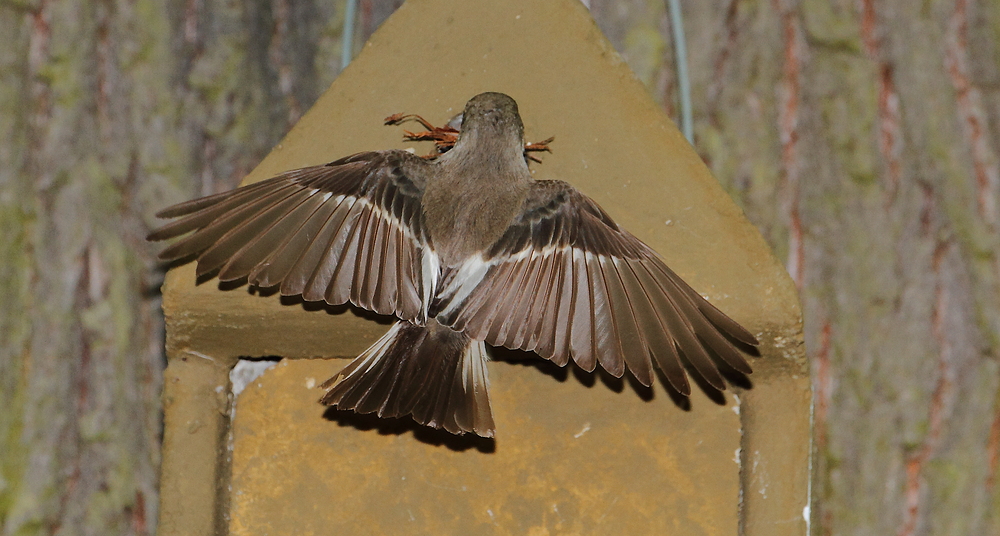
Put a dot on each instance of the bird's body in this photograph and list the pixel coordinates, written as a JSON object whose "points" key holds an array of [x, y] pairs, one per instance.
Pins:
{"points": [[465, 248], [461, 220]]}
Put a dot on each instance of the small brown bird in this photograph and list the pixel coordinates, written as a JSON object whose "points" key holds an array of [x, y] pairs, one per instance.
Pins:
{"points": [[465, 249]]}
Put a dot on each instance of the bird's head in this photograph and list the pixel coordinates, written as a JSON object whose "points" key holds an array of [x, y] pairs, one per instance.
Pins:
{"points": [[493, 117]]}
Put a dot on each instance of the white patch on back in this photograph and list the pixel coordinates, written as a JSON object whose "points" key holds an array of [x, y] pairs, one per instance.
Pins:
{"points": [[469, 275]]}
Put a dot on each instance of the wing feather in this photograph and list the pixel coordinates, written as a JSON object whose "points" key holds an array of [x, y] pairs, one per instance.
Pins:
{"points": [[582, 337], [662, 346], [276, 268], [631, 344], [205, 236], [566, 282], [257, 250], [311, 274], [350, 230], [559, 346], [247, 232]]}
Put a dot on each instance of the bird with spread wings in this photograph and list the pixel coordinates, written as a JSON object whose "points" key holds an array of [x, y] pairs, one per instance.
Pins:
{"points": [[466, 249]]}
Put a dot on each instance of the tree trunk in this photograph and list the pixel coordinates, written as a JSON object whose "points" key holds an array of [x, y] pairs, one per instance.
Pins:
{"points": [[860, 137], [111, 111]]}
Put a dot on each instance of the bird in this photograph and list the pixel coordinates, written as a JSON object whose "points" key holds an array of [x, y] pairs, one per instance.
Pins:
{"points": [[465, 248]]}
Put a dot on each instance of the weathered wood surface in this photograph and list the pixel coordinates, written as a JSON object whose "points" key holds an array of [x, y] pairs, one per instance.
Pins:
{"points": [[860, 136]]}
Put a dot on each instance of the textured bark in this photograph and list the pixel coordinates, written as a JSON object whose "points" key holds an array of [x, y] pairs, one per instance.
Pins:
{"points": [[109, 111], [860, 136]]}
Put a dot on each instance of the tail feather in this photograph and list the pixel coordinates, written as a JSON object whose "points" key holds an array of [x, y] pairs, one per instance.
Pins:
{"points": [[435, 374]]}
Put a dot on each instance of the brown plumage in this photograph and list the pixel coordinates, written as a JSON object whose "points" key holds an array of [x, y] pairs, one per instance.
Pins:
{"points": [[464, 249]]}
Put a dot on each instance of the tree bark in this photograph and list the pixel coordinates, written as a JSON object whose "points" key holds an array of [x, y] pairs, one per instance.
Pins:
{"points": [[111, 111], [861, 137]]}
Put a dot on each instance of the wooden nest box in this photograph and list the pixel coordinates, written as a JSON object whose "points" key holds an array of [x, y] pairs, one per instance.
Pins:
{"points": [[574, 453]]}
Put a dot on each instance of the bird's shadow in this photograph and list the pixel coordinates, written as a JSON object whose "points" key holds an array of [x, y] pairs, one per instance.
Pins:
{"points": [[298, 300], [609, 381], [589, 379], [402, 425], [570, 372]]}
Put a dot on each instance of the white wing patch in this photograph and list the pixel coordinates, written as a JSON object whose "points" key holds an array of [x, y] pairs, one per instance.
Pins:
{"points": [[430, 266], [469, 275], [473, 271]]}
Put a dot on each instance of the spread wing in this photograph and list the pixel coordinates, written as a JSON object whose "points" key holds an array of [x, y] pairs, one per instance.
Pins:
{"points": [[350, 230], [566, 281]]}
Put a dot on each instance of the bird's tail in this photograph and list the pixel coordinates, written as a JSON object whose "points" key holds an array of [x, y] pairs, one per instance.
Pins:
{"points": [[431, 372]]}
